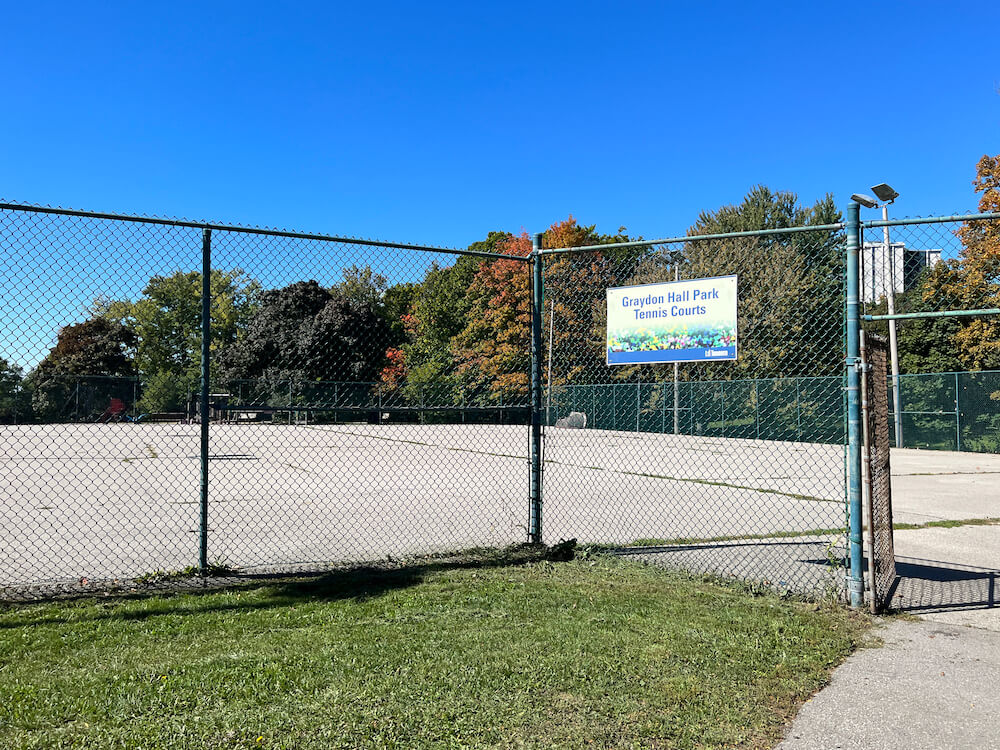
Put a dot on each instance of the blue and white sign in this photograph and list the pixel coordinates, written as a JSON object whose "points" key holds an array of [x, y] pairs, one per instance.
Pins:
{"points": [[676, 321]]}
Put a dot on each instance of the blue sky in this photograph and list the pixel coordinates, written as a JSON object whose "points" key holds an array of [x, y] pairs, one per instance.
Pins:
{"points": [[435, 123]]}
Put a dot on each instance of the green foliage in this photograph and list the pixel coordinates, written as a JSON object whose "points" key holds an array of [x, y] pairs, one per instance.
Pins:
{"points": [[433, 313], [15, 401], [362, 286], [302, 333], [163, 391], [397, 302], [96, 350], [789, 284], [166, 321]]}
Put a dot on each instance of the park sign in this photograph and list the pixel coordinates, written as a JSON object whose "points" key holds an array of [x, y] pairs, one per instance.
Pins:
{"points": [[676, 321]]}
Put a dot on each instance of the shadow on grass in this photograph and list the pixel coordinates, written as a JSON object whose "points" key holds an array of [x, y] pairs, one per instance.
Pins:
{"points": [[359, 582]]}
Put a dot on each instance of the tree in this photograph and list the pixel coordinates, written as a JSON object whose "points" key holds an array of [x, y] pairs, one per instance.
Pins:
{"points": [[575, 296], [304, 333], [970, 281], [15, 404], [91, 353], [790, 285], [974, 281], [362, 286], [167, 323], [492, 349], [423, 367], [925, 344]]}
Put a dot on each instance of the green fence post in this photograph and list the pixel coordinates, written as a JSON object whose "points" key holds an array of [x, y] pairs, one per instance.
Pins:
{"points": [[206, 348], [958, 418], [856, 584], [663, 411], [798, 416], [614, 406], [638, 408], [535, 483], [723, 388], [756, 405]]}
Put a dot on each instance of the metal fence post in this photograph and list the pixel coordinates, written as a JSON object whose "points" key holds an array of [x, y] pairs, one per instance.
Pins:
{"points": [[723, 389], [638, 404], [958, 418], [756, 405], [206, 348], [798, 415], [614, 408], [856, 584], [535, 483]]}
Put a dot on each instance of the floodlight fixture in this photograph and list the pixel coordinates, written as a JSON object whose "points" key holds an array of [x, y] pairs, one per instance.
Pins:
{"points": [[884, 193], [865, 200]]}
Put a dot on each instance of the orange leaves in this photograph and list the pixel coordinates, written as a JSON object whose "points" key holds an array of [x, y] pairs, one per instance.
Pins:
{"points": [[393, 375]]}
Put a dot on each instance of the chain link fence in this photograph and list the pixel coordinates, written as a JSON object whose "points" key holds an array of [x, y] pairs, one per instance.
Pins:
{"points": [[322, 433], [184, 396], [877, 473], [735, 468], [944, 388]]}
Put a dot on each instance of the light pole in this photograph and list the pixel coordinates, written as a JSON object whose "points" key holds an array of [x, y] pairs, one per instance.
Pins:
{"points": [[887, 195]]}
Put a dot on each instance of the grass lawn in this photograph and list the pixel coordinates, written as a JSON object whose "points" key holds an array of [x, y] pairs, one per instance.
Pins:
{"points": [[494, 650]]}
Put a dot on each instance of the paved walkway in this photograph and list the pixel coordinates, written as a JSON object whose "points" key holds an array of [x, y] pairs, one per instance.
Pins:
{"points": [[934, 683]]}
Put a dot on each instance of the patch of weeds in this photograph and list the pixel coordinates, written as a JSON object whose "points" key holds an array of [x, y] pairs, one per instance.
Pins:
{"points": [[218, 569], [683, 540], [946, 524]]}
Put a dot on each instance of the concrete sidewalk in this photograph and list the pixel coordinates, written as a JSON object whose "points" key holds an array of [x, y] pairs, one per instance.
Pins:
{"points": [[933, 684]]}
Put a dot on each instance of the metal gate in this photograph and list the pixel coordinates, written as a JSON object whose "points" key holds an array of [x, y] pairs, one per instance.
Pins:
{"points": [[875, 471]]}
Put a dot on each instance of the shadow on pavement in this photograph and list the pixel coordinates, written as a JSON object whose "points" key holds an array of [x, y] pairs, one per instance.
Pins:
{"points": [[938, 586]]}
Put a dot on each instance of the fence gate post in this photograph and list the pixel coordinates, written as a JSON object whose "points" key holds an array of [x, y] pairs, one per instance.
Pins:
{"points": [[535, 484], [856, 585], [206, 347]]}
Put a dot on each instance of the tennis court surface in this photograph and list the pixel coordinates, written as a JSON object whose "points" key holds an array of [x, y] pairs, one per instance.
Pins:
{"points": [[115, 501]]}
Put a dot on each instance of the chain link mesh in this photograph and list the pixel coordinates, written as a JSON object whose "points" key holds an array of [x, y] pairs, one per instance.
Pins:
{"points": [[370, 400], [878, 479], [331, 438], [935, 266], [734, 468]]}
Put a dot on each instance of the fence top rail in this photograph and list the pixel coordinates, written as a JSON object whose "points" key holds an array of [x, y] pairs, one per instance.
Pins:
{"points": [[696, 238], [670, 383], [929, 220], [236, 228], [951, 373]]}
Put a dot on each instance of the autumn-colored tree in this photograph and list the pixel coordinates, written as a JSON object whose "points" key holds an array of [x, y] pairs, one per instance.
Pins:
{"points": [[423, 369], [493, 348], [575, 298], [970, 281], [974, 281]]}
